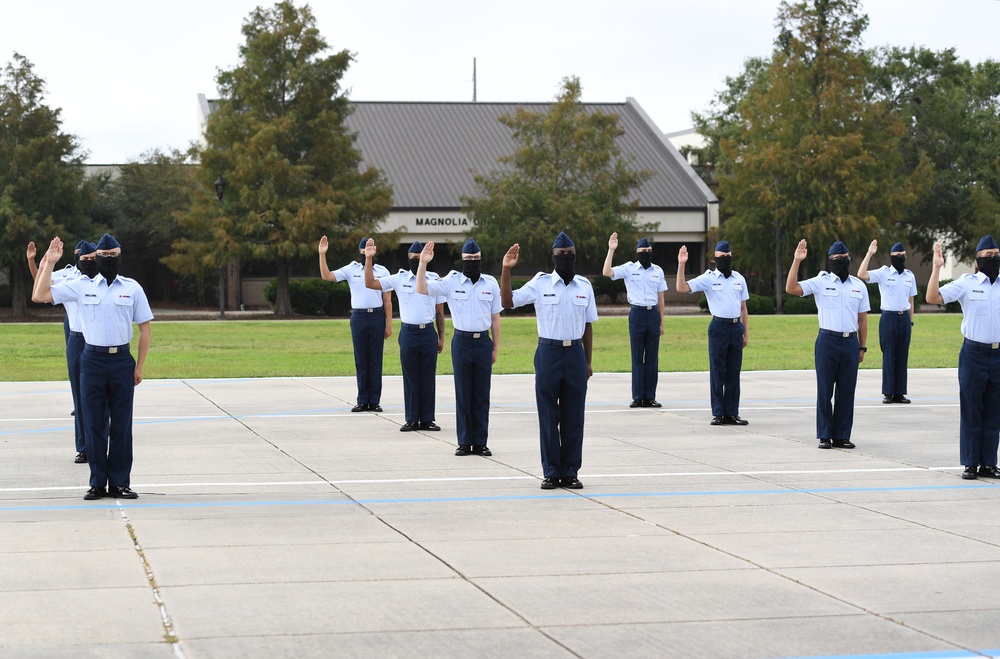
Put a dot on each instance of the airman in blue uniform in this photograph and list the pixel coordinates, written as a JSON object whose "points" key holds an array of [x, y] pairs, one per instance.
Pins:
{"points": [[645, 284], [564, 310], [728, 331], [474, 301], [109, 305], [842, 303], [897, 288], [371, 324], [979, 359], [419, 344]]}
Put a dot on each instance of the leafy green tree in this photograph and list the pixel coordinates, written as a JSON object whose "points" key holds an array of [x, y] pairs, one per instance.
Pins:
{"points": [[567, 173], [806, 152], [42, 192], [951, 109], [278, 138]]}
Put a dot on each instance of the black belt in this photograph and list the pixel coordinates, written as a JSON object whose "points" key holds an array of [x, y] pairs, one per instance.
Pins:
{"points": [[418, 326], [72, 333], [845, 335], [111, 350], [473, 335], [726, 320], [561, 343], [372, 310], [978, 344], [643, 306], [898, 313]]}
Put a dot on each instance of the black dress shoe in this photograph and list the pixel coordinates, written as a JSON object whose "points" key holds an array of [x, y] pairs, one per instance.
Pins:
{"points": [[571, 483], [842, 443], [429, 425], [886, 400], [81, 458], [360, 407], [550, 483], [825, 443], [969, 474], [482, 450], [409, 426], [651, 403], [374, 407], [122, 493], [635, 403], [901, 399], [463, 449], [717, 420], [94, 493], [989, 471], [734, 421]]}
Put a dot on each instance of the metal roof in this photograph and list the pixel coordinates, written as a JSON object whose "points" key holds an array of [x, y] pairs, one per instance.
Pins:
{"points": [[429, 149]]}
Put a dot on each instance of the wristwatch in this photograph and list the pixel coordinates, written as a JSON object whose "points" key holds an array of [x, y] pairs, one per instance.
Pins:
{"points": [[864, 349]]}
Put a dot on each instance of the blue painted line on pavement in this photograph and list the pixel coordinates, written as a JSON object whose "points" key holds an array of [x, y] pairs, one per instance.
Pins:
{"points": [[938, 654], [523, 497]]}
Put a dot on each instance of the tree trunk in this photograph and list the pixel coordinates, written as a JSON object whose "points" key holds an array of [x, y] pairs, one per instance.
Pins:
{"points": [[18, 296], [779, 286], [282, 299]]}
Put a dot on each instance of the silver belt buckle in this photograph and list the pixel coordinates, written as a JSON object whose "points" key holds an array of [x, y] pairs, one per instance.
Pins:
{"points": [[422, 325], [476, 335], [371, 310], [846, 334], [567, 344], [113, 350], [649, 308], [994, 346], [735, 320]]}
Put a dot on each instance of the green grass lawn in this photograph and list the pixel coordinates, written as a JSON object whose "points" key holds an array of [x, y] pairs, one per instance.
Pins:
{"points": [[231, 349]]}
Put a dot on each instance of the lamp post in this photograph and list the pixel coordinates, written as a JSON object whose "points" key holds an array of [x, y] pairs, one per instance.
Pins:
{"points": [[220, 190]]}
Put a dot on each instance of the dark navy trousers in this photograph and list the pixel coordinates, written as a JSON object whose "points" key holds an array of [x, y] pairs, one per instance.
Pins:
{"points": [[644, 337], [725, 361], [894, 331], [560, 394], [368, 336], [472, 362], [979, 400], [107, 386], [74, 348], [418, 360], [837, 360]]}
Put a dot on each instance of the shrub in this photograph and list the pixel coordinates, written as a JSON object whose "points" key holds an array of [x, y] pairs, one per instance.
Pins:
{"points": [[951, 307], [314, 297], [760, 305], [793, 304]]}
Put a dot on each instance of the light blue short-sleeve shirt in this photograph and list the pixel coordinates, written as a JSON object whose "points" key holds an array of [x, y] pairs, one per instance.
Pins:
{"points": [[980, 301], [895, 289], [838, 302], [643, 285], [362, 297], [472, 305], [106, 312], [562, 312], [414, 308], [725, 295]]}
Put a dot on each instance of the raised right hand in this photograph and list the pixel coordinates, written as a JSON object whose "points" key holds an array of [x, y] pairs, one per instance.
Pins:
{"points": [[324, 245], [613, 241], [938, 256], [873, 248], [510, 258], [370, 249], [801, 252], [682, 255]]}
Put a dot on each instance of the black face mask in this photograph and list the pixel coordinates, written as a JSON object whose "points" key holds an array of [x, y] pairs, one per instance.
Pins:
{"points": [[109, 267], [898, 262], [564, 264], [88, 267], [76, 259], [989, 266], [414, 264], [840, 267], [645, 259], [724, 264], [472, 269]]}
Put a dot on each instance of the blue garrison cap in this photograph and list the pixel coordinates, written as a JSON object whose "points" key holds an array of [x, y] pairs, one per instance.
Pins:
{"points": [[364, 242], [898, 247], [87, 248], [107, 241], [837, 248], [470, 247], [79, 245], [562, 240], [415, 248], [986, 242], [723, 246], [643, 243]]}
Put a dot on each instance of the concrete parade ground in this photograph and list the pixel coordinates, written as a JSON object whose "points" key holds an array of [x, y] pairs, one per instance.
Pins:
{"points": [[272, 522]]}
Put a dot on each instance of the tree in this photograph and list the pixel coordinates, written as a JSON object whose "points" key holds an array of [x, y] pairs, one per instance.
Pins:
{"points": [[42, 192], [567, 173], [807, 153], [277, 136], [950, 108]]}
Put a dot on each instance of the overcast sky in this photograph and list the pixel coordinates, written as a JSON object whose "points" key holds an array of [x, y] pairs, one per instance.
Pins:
{"points": [[126, 74]]}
